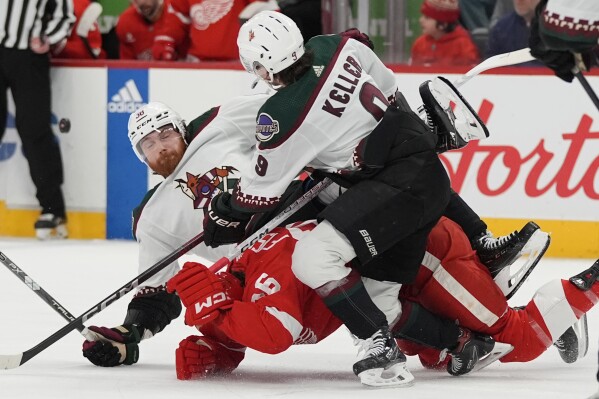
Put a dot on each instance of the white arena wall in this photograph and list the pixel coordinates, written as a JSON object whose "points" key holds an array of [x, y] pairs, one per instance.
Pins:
{"points": [[541, 162]]}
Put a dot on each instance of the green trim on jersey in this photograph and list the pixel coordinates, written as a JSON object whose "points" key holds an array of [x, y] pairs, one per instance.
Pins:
{"points": [[291, 104], [139, 208], [198, 124]]}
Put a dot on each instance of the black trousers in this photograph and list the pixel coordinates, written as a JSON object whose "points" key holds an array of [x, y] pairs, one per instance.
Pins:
{"points": [[27, 75]]}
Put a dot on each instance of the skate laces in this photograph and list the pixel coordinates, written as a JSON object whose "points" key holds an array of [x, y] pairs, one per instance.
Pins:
{"points": [[371, 347], [489, 242]]}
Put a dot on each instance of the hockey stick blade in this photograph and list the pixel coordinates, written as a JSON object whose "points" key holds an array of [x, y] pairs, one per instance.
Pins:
{"points": [[499, 350], [499, 60]]}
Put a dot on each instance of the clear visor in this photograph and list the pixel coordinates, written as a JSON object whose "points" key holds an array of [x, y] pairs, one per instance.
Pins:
{"points": [[155, 140]]}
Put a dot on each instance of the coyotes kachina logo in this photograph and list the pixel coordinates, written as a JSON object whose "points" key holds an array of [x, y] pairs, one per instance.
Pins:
{"points": [[201, 188]]}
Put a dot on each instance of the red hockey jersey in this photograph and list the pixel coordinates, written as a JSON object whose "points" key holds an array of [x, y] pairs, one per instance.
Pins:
{"points": [[211, 27], [136, 34], [276, 310]]}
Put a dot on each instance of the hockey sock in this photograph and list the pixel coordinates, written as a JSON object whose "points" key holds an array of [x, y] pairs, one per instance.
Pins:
{"points": [[349, 301], [459, 211], [421, 326]]}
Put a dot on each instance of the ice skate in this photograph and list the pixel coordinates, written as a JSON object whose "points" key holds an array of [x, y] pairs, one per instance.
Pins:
{"points": [[472, 349], [449, 115], [383, 364], [497, 253], [573, 344], [49, 226], [586, 279]]}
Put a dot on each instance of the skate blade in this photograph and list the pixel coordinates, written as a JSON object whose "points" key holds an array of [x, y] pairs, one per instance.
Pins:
{"points": [[581, 329], [529, 256], [395, 376], [499, 350]]}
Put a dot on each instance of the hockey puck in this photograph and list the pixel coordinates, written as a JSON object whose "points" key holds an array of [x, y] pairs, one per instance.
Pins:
{"points": [[64, 125]]}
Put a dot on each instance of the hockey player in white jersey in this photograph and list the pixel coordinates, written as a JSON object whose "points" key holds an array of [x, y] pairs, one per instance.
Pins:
{"points": [[332, 113], [197, 161]]}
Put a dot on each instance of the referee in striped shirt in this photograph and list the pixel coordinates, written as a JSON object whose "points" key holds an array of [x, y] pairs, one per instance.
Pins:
{"points": [[28, 29]]}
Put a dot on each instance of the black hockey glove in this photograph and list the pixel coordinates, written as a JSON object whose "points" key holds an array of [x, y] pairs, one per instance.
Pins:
{"points": [[222, 224], [113, 346]]}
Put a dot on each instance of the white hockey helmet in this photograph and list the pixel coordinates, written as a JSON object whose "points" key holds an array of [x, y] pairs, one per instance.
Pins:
{"points": [[271, 40], [149, 119]]}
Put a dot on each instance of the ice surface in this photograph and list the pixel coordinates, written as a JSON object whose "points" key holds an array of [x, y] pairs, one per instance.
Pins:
{"points": [[79, 274]]}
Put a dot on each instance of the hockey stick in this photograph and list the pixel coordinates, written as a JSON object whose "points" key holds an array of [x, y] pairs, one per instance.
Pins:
{"points": [[587, 87], [35, 287], [16, 360], [85, 24], [274, 222], [499, 60]]}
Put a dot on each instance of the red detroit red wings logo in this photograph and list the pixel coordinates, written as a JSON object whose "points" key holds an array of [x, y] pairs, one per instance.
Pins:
{"points": [[201, 188], [209, 12]]}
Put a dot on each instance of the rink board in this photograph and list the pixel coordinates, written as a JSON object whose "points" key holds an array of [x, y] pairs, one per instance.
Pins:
{"points": [[541, 162]]}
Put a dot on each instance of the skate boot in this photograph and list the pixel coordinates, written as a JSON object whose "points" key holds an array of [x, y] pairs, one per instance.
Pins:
{"points": [[383, 364], [449, 115], [471, 348], [574, 343], [586, 279], [497, 253], [50, 226]]}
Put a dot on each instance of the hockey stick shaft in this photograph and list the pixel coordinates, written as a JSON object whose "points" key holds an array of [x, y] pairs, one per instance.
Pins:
{"points": [[35, 287], [499, 60], [274, 222], [13, 361], [587, 87]]}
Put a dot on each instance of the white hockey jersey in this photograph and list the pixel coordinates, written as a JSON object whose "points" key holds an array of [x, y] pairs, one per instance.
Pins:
{"points": [[318, 121], [219, 154]]}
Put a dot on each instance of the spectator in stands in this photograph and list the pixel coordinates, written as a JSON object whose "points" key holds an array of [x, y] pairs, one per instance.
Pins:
{"points": [[210, 27], [137, 26], [443, 41], [476, 14], [511, 32], [85, 41], [306, 14]]}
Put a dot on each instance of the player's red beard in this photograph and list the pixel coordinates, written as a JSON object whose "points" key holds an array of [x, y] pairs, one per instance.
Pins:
{"points": [[167, 162]]}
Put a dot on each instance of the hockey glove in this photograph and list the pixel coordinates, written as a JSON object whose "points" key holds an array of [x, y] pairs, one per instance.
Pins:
{"points": [[113, 346], [198, 357], [555, 53], [163, 49], [223, 225], [363, 38], [203, 293]]}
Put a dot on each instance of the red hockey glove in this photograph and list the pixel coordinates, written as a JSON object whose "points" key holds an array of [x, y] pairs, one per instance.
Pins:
{"points": [[113, 346], [223, 225], [363, 38], [164, 49], [201, 356], [203, 293]]}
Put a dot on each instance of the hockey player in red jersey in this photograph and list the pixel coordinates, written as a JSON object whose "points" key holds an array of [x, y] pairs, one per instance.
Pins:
{"points": [[282, 311], [454, 284], [260, 304]]}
